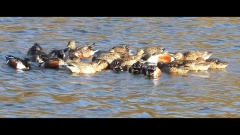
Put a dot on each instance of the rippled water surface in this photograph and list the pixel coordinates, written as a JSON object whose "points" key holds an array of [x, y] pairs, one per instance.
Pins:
{"points": [[58, 93]]}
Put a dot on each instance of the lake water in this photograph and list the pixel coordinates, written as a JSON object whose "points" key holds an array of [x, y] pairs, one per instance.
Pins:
{"points": [[45, 93]]}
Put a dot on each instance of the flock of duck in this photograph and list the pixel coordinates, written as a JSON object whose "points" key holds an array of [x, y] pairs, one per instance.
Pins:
{"points": [[150, 61]]}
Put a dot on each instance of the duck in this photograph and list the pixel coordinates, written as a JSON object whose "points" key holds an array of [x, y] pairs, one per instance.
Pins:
{"points": [[36, 53], [73, 51], [76, 66], [157, 57], [96, 55], [35, 48], [173, 67], [216, 63], [100, 65], [151, 71], [154, 49], [58, 53], [109, 56], [18, 63], [196, 65], [130, 59], [39, 57], [52, 63], [193, 55], [87, 50], [120, 49], [136, 68], [117, 66], [81, 51]]}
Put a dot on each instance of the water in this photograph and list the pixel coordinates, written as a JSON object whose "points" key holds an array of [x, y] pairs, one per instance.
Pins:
{"points": [[44, 93]]}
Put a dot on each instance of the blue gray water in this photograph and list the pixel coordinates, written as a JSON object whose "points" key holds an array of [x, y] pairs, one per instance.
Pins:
{"points": [[44, 93]]}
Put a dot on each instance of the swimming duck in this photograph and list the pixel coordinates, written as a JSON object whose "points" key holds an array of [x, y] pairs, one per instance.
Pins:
{"points": [[117, 66], [100, 64], [136, 56], [58, 53], [81, 51], [152, 71], [193, 55], [76, 66], [107, 56], [157, 57], [136, 68], [18, 63], [73, 51], [129, 59], [95, 56], [87, 50], [36, 53], [54, 63], [198, 64], [35, 48], [120, 49], [216, 63], [173, 67], [154, 49]]}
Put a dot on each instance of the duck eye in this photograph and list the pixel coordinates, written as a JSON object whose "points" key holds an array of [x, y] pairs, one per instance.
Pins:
{"points": [[117, 63]]}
